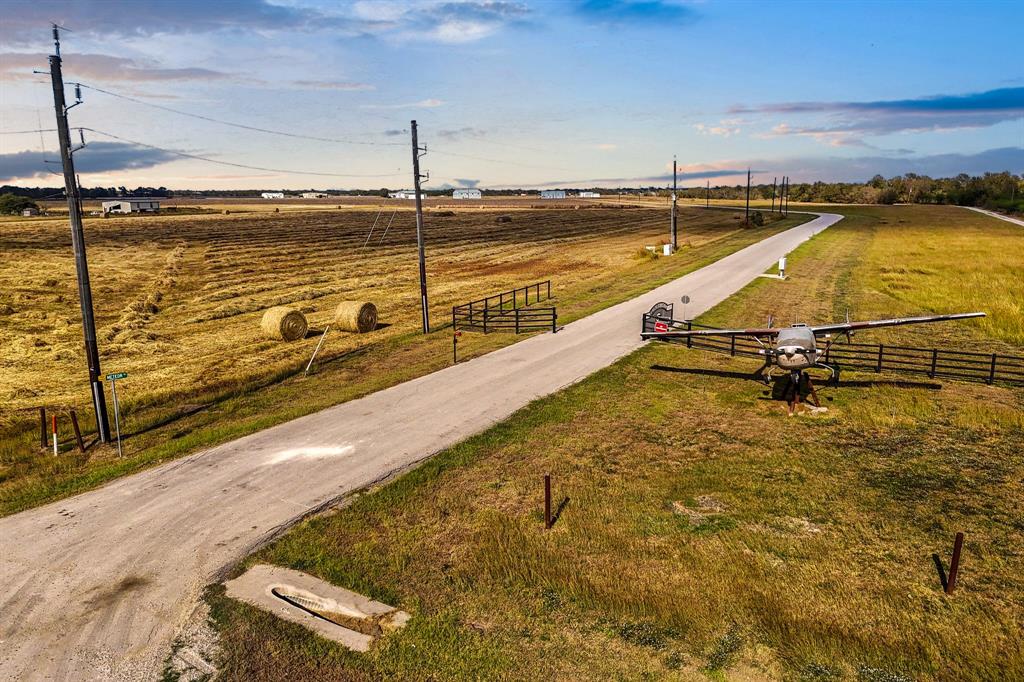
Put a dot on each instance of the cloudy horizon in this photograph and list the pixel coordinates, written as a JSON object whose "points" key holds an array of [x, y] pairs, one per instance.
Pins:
{"points": [[250, 93]]}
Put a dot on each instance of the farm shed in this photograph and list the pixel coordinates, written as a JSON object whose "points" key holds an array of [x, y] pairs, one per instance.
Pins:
{"points": [[28, 212], [552, 194], [131, 206], [589, 195], [315, 195], [405, 194], [272, 195], [466, 194]]}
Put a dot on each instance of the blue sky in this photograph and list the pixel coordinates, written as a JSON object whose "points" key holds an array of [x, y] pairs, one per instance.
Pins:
{"points": [[516, 93]]}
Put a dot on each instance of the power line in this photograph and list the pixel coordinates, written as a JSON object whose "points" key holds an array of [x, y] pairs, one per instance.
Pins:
{"points": [[28, 132], [242, 165], [243, 126]]}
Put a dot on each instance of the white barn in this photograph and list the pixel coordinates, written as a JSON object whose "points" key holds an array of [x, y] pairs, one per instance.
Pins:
{"points": [[405, 194], [589, 195], [552, 194], [272, 195], [131, 206], [469, 193], [315, 195]]}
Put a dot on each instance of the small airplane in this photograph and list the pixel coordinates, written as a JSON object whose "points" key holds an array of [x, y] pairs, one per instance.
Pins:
{"points": [[796, 348]]}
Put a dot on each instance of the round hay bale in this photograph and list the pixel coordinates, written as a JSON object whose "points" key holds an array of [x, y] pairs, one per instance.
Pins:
{"points": [[356, 316], [282, 322]]}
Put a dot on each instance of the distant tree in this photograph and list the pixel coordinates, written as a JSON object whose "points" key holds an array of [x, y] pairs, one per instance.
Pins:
{"points": [[13, 204], [384, 193]]}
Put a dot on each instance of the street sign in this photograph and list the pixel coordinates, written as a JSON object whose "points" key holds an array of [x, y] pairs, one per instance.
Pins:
{"points": [[112, 378], [118, 375], [685, 299], [660, 326]]}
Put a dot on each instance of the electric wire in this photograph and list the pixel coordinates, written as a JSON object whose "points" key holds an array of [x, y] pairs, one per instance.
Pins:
{"points": [[241, 165], [243, 126]]}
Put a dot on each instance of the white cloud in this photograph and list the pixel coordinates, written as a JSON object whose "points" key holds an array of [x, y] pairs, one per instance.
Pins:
{"points": [[422, 104]]}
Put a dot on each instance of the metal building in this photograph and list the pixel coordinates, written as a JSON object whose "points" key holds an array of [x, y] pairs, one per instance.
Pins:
{"points": [[589, 195], [406, 194], [272, 195], [466, 194], [315, 195], [131, 206], [552, 194]]}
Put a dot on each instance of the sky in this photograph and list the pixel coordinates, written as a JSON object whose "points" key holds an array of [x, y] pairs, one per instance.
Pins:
{"points": [[512, 93]]}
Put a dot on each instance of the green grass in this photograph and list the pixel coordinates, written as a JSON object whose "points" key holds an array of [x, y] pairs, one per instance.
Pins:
{"points": [[707, 534], [236, 407]]}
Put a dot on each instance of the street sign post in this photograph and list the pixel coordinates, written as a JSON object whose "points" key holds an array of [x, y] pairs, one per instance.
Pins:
{"points": [[112, 378], [685, 299]]}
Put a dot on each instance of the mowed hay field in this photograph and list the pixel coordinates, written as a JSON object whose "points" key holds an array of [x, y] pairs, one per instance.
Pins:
{"points": [[703, 533], [179, 300]]}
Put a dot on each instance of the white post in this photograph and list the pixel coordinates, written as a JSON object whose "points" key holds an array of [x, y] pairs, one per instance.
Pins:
{"points": [[117, 414], [782, 268], [53, 421]]}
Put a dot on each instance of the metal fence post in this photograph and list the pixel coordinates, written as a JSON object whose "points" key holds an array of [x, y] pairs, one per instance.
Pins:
{"points": [[547, 501], [992, 371], [549, 288], [485, 320], [554, 318], [517, 320], [78, 432], [879, 366], [954, 564], [689, 339], [935, 360]]}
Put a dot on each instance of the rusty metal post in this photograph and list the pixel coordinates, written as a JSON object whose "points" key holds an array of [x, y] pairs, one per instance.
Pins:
{"points": [[547, 501], [43, 438], [78, 432], [992, 371], [954, 564]]}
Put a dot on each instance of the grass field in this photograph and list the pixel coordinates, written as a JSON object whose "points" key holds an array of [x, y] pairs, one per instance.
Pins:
{"points": [[179, 298], [706, 534]]}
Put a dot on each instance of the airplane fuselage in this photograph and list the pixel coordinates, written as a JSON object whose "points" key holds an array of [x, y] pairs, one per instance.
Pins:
{"points": [[796, 348]]}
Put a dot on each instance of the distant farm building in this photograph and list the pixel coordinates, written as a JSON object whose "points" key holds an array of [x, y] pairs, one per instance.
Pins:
{"points": [[466, 194], [131, 206], [552, 194], [405, 194], [29, 212], [589, 195], [272, 195], [315, 195]]}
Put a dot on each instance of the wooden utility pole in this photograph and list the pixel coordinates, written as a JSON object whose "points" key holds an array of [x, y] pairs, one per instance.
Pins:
{"points": [[707, 196], [748, 196], [785, 194], [774, 181], [416, 177], [674, 236], [78, 238]]}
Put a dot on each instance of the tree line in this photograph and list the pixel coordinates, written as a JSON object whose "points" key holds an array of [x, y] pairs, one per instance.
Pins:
{"points": [[998, 191]]}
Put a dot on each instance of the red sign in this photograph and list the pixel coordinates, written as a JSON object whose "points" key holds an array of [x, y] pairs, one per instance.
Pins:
{"points": [[660, 327]]}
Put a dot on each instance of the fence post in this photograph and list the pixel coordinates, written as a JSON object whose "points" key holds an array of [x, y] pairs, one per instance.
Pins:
{"points": [[935, 361], [78, 432], [471, 313], [43, 438], [501, 300], [992, 371], [732, 347], [547, 501], [485, 320], [554, 317], [954, 564], [549, 288], [879, 367], [526, 292], [689, 339], [517, 320]]}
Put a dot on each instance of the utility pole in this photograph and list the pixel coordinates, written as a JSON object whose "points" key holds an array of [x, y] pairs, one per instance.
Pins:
{"points": [[707, 196], [416, 177], [675, 240], [78, 237], [748, 197], [774, 181], [785, 196]]}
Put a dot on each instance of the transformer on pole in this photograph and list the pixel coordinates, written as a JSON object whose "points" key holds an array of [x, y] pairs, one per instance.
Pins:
{"points": [[78, 238]]}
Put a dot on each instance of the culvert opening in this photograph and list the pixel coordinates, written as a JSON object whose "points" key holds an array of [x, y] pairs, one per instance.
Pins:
{"points": [[330, 610]]}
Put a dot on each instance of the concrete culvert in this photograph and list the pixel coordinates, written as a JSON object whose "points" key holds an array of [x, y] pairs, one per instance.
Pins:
{"points": [[356, 316], [282, 322]]}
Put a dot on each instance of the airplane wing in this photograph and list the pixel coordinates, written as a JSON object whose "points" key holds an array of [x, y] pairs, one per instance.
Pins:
{"points": [[841, 327]]}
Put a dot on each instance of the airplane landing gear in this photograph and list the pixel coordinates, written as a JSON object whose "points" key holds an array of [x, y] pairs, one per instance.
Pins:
{"points": [[796, 381]]}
